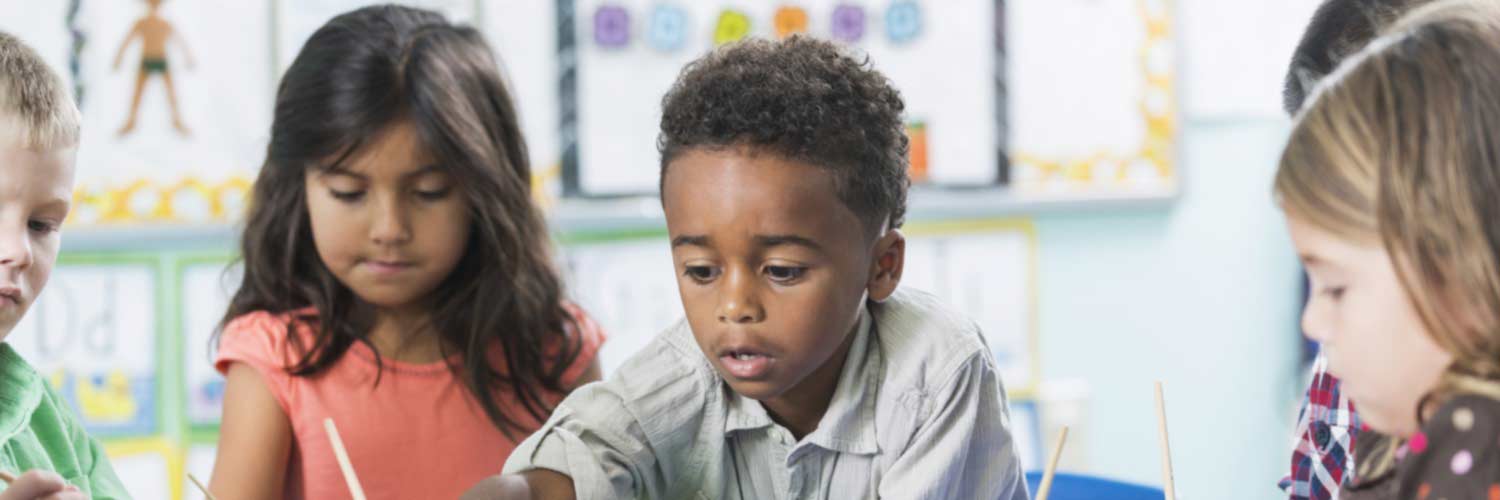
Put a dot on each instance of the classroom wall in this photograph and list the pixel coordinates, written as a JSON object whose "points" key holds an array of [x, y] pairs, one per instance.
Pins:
{"points": [[1201, 296]]}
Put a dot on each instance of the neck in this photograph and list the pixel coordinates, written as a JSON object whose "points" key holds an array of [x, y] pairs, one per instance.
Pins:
{"points": [[406, 335], [800, 408]]}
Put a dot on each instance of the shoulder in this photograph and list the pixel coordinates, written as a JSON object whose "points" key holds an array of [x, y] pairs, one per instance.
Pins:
{"points": [[1457, 454], [925, 343], [664, 387], [264, 338]]}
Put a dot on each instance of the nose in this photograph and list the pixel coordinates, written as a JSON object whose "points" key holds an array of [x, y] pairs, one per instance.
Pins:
{"points": [[738, 302], [391, 225]]}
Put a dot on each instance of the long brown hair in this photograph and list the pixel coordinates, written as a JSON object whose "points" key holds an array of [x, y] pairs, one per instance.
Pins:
{"points": [[358, 74], [1399, 147]]}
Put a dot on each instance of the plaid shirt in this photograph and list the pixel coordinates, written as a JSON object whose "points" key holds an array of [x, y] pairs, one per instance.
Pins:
{"points": [[1323, 453]]}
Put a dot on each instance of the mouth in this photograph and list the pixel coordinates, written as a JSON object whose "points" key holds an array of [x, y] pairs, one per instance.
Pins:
{"points": [[10, 295], [745, 363], [386, 267]]}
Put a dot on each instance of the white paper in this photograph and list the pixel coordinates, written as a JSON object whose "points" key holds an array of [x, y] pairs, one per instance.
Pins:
{"points": [[200, 463], [223, 92], [93, 334], [143, 475], [206, 289]]}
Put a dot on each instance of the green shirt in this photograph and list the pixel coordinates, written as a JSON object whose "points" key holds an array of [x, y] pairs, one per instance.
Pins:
{"points": [[39, 431]]}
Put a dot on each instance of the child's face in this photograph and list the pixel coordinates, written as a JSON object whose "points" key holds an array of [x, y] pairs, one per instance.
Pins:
{"points": [[1371, 333], [35, 190], [389, 223], [772, 269]]}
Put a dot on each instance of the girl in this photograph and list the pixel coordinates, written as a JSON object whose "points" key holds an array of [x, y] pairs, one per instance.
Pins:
{"points": [[397, 277], [1391, 187]]}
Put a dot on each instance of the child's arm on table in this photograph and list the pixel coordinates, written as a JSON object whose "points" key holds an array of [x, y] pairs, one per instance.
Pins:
{"points": [[254, 439], [536, 484]]}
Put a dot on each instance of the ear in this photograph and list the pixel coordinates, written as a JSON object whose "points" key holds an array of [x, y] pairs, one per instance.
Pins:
{"points": [[886, 267]]}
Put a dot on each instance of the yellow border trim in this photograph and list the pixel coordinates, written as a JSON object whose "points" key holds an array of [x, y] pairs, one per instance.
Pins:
{"points": [[1156, 148]]}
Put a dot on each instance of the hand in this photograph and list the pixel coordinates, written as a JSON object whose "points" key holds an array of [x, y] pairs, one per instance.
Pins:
{"points": [[41, 485]]}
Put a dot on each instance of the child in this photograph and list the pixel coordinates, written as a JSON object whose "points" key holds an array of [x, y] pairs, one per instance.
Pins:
{"points": [[1328, 427], [800, 371], [397, 276], [39, 128], [1389, 187]]}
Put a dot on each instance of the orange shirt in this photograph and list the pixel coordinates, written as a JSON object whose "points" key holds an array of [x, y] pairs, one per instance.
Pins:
{"points": [[417, 434]]}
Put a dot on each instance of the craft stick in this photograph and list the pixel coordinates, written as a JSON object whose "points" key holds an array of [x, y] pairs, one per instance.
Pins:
{"points": [[1046, 486], [1166, 449], [201, 487], [7, 477], [343, 456]]}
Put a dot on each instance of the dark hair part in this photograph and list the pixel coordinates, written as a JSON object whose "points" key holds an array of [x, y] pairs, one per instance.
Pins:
{"points": [[804, 99], [1338, 29], [360, 73]]}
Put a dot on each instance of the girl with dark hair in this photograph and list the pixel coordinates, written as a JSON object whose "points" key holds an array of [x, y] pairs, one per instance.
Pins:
{"points": [[397, 276]]}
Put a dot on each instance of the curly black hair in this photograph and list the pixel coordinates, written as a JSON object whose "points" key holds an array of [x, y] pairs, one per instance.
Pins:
{"points": [[804, 99]]}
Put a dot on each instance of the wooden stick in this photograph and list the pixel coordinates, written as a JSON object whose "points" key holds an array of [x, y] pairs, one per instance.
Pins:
{"points": [[201, 487], [1046, 486], [338, 450], [1166, 449], [7, 477]]}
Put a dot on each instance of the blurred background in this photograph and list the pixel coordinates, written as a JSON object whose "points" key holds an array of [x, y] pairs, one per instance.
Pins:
{"points": [[1092, 184]]}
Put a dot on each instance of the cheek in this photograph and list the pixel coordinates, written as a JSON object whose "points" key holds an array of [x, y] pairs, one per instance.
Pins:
{"points": [[444, 229], [337, 231]]}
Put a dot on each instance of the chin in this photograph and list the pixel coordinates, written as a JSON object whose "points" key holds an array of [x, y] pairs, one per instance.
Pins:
{"points": [[759, 390]]}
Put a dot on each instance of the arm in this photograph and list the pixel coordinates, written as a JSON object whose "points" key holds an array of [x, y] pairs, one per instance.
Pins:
{"points": [[963, 448], [124, 44], [537, 484], [254, 439], [592, 374]]}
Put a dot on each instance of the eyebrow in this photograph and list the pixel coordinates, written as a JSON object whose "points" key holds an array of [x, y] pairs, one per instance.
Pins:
{"points": [[690, 240], [775, 240], [770, 240]]}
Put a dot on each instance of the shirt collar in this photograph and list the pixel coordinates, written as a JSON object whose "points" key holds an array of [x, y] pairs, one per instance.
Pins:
{"points": [[848, 426]]}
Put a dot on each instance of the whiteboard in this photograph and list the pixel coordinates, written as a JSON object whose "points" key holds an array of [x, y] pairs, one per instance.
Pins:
{"points": [[93, 335], [206, 290], [629, 288], [628, 53]]}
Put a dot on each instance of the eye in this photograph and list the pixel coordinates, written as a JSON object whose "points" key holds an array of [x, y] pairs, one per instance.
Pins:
{"points": [[701, 274], [346, 196], [785, 274], [433, 194], [1333, 292], [41, 226]]}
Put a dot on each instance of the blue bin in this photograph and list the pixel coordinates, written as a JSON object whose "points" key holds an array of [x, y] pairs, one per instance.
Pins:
{"points": [[1080, 487]]}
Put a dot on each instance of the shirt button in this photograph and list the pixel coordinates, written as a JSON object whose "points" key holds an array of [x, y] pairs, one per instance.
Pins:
{"points": [[1321, 435]]}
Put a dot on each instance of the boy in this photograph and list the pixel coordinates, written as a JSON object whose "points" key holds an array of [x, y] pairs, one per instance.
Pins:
{"points": [[39, 128], [800, 371], [1328, 428]]}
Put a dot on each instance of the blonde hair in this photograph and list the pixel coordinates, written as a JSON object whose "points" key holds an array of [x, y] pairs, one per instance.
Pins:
{"points": [[1399, 147], [36, 111]]}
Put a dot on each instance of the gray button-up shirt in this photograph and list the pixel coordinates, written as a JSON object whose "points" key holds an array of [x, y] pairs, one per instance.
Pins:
{"points": [[918, 412]]}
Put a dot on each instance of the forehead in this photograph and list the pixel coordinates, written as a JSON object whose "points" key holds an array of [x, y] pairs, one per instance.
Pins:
{"points": [[751, 193], [28, 172], [395, 151]]}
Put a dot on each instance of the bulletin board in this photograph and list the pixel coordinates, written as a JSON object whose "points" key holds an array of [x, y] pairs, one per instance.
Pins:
{"points": [[1038, 99]]}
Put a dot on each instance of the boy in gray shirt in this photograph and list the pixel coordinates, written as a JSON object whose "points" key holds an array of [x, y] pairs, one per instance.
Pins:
{"points": [[800, 371]]}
